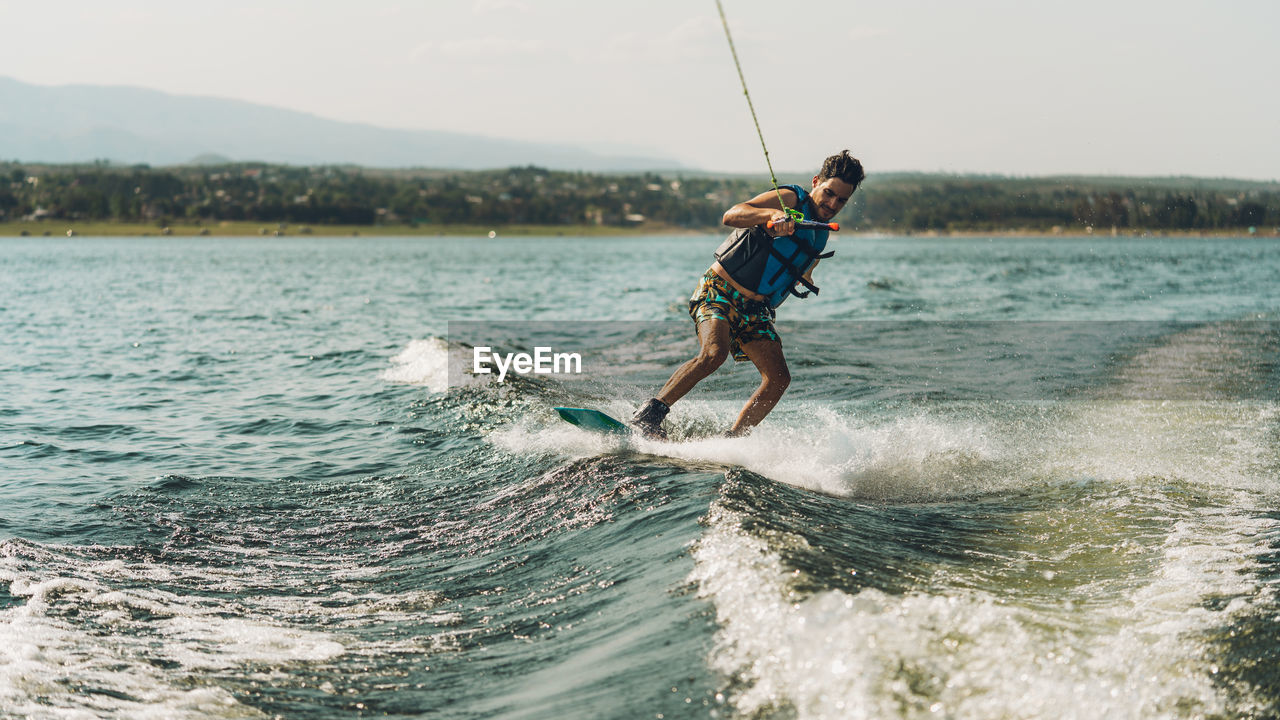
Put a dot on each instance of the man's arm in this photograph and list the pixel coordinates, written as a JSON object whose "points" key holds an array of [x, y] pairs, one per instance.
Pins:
{"points": [[761, 210]]}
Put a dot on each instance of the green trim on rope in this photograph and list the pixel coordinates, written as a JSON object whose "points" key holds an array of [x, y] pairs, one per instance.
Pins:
{"points": [[773, 178]]}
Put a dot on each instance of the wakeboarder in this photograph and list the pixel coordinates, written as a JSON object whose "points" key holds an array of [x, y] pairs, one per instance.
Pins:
{"points": [[769, 257]]}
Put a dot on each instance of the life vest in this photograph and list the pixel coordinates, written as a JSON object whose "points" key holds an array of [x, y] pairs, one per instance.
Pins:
{"points": [[772, 266]]}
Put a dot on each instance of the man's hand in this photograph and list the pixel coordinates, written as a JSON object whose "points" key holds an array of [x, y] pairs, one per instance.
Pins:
{"points": [[780, 225]]}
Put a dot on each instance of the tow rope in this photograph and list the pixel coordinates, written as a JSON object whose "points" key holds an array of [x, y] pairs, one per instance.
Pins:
{"points": [[793, 213]]}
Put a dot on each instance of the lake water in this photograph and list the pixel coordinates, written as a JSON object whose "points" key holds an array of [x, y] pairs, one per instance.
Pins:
{"points": [[1012, 478]]}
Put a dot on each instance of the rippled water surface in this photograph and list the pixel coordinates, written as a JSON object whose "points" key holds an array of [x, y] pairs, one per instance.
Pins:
{"points": [[1012, 478]]}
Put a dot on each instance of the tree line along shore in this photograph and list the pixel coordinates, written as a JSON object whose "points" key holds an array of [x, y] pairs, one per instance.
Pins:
{"points": [[258, 198]]}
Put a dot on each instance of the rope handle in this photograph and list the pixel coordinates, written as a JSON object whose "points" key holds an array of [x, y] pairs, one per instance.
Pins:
{"points": [[809, 224]]}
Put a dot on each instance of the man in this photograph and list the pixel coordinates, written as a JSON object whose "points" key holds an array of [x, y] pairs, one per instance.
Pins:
{"points": [[756, 269]]}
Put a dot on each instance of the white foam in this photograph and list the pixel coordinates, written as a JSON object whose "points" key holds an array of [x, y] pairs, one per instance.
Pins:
{"points": [[54, 652], [549, 436], [49, 669], [422, 362], [431, 363], [202, 643], [912, 458], [1214, 444], [970, 653], [1123, 633]]}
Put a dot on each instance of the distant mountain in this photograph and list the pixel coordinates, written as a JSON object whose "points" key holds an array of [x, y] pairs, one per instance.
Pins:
{"points": [[80, 123]]}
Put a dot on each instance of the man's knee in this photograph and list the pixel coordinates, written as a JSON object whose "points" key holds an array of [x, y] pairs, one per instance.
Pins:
{"points": [[712, 356], [778, 379]]}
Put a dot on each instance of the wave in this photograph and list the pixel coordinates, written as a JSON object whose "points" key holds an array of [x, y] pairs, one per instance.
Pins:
{"points": [[421, 362], [1131, 544], [90, 632], [951, 651]]}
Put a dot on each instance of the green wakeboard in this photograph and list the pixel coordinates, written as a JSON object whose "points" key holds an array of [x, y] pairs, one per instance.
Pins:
{"points": [[593, 420]]}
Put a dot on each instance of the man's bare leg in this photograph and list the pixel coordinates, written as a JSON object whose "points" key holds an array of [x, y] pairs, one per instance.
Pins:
{"points": [[774, 379], [713, 349]]}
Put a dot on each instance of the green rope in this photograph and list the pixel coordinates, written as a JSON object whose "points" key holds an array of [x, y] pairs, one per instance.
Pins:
{"points": [[732, 50]]}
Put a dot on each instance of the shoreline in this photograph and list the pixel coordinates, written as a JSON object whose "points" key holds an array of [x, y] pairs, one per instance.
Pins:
{"points": [[246, 228], [243, 228], [1082, 233]]}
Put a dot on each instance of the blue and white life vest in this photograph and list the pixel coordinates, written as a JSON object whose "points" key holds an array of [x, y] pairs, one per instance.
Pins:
{"points": [[772, 266]]}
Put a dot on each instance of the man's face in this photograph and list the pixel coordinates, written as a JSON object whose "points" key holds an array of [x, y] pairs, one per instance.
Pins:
{"points": [[829, 196]]}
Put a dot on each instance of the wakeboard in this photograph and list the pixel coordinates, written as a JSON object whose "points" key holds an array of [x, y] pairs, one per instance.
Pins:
{"points": [[593, 420]]}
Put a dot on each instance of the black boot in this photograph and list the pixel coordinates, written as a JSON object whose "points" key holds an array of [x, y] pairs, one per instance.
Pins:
{"points": [[648, 419]]}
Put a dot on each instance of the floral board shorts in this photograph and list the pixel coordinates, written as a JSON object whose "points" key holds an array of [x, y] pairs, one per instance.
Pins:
{"points": [[749, 320]]}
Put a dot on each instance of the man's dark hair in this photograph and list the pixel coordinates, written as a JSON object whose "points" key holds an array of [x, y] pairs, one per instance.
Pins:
{"points": [[844, 167]]}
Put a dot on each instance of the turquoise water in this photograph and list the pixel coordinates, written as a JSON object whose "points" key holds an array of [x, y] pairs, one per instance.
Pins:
{"points": [[1012, 478]]}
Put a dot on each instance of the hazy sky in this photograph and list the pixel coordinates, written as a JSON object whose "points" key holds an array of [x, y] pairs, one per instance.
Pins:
{"points": [[1144, 87]]}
